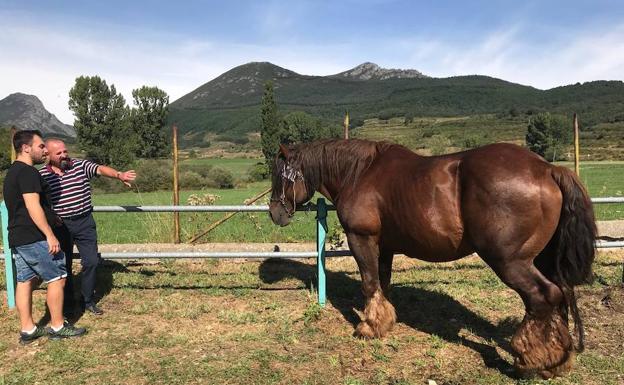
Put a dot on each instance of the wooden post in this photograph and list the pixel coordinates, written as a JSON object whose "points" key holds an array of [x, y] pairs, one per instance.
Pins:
{"points": [[577, 156], [346, 125], [176, 187]]}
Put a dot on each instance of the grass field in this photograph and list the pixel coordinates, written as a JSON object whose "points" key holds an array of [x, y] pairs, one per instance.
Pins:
{"points": [[221, 322], [239, 167]]}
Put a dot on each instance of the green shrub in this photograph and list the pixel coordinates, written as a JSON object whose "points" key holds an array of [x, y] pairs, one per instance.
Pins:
{"points": [[473, 141], [153, 175], [192, 180], [222, 178], [258, 172], [201, 169]]}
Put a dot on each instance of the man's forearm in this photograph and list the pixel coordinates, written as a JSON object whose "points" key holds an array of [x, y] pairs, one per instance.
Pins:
{"points": [[108, 171]]}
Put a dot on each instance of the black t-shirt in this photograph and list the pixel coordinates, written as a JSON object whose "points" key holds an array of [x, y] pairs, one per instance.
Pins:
{"points": [[22, 179]]}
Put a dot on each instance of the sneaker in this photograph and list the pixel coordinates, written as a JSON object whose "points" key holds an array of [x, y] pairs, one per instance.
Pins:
{"points": [[26, 338], [93, 309], [68, 330]]}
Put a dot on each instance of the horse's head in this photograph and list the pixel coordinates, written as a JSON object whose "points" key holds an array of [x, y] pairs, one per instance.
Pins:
{"points": [[288, 187]]}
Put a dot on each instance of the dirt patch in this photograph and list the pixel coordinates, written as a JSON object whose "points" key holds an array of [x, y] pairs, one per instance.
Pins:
{"points": [[603, 316]]}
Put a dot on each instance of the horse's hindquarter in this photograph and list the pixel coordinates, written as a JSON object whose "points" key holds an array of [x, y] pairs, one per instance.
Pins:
{"points": [[415, 205], [509, 201]]}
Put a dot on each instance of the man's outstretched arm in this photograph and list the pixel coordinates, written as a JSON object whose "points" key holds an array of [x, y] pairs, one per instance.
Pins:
{"points": [[125, 176]]}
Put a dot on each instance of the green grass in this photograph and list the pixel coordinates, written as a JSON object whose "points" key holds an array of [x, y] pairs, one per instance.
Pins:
{"points": [[604, 179], [239, 167], [158, 227]]}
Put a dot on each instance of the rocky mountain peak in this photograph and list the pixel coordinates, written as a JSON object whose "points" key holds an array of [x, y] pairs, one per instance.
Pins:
{"points": [[26, 112], [371, 71]]}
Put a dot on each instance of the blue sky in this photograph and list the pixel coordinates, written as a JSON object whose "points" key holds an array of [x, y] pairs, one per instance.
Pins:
{"points": [[178, 46]]}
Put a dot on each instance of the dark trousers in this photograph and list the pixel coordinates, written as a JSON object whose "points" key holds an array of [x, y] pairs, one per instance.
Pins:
{"points": [[82, 232]]}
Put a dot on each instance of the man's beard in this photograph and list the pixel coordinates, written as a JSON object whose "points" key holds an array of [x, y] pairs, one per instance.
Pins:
{"points": [[39, 160], [65, 164]]}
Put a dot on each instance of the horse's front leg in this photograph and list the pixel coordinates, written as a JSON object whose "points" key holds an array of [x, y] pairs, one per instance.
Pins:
{"points": [[379, 314]]}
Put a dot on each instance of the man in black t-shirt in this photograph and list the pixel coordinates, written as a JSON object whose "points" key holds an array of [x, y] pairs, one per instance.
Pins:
{"points": [[37, 253]]}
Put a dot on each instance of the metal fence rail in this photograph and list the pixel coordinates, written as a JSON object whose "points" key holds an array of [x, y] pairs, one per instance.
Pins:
{"points": [[320, 208]]}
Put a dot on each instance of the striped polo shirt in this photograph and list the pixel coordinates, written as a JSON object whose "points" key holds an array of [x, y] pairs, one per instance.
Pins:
{"points": [[70, 193]]}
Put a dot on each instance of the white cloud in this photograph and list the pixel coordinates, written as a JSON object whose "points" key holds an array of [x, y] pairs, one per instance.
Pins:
{"points": [[581, 57], [44, 60]]}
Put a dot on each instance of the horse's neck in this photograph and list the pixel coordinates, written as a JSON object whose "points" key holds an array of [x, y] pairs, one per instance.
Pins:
{"points": [[332, 178]]}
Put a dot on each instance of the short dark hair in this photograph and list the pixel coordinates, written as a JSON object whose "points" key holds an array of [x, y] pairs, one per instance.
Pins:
{"points": [[24, 137]]}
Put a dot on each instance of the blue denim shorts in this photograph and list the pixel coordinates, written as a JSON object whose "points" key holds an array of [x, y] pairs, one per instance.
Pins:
{"points": [[34, 260]]}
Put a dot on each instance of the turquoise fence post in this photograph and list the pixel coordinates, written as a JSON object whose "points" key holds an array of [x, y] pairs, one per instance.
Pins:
{"points": [[321, 232], [9, 266]]}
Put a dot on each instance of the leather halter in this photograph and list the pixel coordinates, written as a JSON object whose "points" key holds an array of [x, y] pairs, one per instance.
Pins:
{"points": [[291, 175]]}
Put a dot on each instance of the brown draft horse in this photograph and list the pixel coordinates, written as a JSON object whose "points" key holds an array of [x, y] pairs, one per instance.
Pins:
{"points": [[530, 221]]}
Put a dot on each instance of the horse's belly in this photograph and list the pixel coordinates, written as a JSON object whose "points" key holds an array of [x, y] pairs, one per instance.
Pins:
{"points": [[440, 250], [436, 257]]}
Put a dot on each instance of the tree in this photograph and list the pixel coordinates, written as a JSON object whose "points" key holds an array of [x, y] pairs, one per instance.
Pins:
{"points": [[5, 148], [101, 121], [300, 127], [549, 135], [148, 121], [270, 129]]}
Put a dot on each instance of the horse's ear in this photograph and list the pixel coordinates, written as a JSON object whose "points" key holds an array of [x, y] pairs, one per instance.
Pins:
{"points": [[284, 151]]}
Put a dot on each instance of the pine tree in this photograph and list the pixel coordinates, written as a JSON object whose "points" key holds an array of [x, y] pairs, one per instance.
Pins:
{"points": [[270, 129], [549, 136]]}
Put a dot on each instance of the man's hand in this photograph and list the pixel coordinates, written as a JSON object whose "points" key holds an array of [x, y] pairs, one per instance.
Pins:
{"points": [[126, 177], [53, 245]]}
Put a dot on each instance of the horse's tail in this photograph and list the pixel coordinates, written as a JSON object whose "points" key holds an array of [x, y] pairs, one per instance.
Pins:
{"points": [[575, 242]]}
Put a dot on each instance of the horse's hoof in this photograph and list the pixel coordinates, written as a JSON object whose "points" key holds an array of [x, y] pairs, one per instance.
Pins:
{"points": [[560, 369], [363, 330], [543, 347]]}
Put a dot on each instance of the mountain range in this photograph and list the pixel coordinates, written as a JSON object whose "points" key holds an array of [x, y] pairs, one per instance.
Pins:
{"points": [[230, 104], [26, 112]]}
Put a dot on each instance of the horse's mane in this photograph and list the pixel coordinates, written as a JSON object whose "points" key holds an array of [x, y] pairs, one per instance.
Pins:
{"points": [[335, 159]]}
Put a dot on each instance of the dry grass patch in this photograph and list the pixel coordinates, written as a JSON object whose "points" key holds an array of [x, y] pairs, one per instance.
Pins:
{"points": [[203, 321]]}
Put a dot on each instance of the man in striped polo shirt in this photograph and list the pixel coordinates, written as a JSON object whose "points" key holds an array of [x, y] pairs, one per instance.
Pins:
{"points": [[70, 195]]}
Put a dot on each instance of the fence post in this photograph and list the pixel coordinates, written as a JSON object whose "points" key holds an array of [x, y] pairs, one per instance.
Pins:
{"points": [[9, 266], [321, 232]]}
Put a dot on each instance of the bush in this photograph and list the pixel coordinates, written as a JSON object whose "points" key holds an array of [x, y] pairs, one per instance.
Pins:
{"points": [[108, 185], [222, 178], [473, 141], [153, 175], [192, 180], [203, 170], [258, 172], [438, 144]]}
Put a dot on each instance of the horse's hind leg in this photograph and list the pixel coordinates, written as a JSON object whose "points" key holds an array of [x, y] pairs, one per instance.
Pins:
{"points": [[542, 343], [379, 314], [385, 271]]}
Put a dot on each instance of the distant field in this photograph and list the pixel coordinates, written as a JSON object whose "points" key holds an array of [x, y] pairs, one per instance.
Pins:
{"points": [[239, 167], [601, 179], [448, 134]]}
